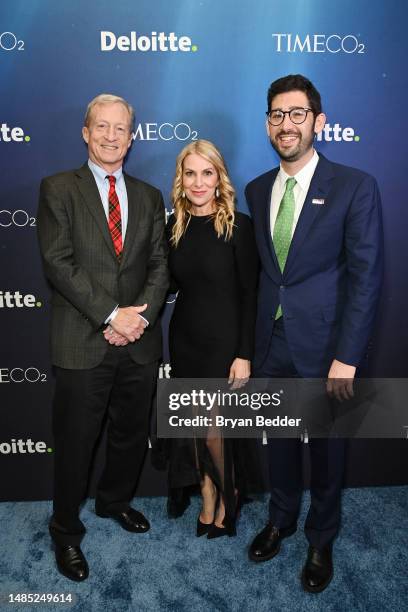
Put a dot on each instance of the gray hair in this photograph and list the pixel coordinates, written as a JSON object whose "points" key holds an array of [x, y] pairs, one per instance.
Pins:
{"points": [[109, 99]]}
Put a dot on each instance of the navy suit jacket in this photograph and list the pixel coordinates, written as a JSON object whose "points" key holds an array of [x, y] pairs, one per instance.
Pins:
{"points": [[330, 285]]}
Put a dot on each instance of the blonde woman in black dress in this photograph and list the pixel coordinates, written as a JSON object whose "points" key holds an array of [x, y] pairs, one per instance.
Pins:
{"points": [[214, 267]]}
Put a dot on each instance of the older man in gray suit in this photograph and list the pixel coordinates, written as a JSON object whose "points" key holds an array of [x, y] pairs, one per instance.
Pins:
{"points": [[101, 235]]}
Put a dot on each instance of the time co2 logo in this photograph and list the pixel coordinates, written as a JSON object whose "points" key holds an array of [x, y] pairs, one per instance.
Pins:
{"points": [[10, 42], [165, 131], [22, 375], [16, 218]]}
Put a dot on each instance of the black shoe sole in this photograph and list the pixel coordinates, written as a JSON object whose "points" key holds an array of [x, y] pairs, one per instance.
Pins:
{"points": [[317, 589], [285, 534]]}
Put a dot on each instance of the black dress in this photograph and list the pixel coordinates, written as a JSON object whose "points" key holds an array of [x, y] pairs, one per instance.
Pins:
{"points": [[213, 323]]}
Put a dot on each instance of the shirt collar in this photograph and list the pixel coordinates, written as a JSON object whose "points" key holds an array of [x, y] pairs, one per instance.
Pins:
{"points": [[101, 174], [304, 176]]}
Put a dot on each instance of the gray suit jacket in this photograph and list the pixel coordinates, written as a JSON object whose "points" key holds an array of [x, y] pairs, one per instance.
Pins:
{"points": [[86, 278]]}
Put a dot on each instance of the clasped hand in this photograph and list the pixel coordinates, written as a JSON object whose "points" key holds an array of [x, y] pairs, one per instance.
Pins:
{"points": [[127, 326]]}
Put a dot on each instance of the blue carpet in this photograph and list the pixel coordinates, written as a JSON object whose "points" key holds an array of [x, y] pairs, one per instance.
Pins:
{"points": [[170, 569]]}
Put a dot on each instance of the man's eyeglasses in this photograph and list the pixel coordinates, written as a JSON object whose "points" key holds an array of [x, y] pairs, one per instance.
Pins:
{"points": [[296, 115]]}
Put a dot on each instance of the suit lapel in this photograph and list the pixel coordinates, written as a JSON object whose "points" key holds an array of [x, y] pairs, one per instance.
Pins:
{"points": [[90, 193], [266, 220], [318, 190], [134, 213]]}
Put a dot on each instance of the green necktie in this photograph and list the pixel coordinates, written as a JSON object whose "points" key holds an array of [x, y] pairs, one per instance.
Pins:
{"points": [[282, 232]]}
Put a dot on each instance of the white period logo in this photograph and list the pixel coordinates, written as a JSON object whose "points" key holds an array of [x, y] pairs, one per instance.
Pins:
{"points": [[16, 218], [164, 131], [317, 43], [22, 375], [155, 41], [13, 134], [10, 42], [15, 299], [21, 447]]}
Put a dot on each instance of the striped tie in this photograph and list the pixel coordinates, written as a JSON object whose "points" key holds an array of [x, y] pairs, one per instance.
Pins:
{"points": [[115, 220]]}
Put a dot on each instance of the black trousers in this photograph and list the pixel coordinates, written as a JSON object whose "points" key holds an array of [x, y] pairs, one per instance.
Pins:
{"points": [[327, 458], [121, 390]]}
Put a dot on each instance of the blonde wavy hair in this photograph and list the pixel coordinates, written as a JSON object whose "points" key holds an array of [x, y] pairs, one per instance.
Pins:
{"points": [[224, 214]]}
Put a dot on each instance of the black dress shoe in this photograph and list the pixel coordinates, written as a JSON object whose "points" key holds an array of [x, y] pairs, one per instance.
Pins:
{"points": [[267, 543], [129, 519], [71, 562], [318, 570]]}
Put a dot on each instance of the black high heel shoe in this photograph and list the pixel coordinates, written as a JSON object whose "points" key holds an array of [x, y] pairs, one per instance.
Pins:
{"points": [[229, 524], [203, 528], [229, 530]]}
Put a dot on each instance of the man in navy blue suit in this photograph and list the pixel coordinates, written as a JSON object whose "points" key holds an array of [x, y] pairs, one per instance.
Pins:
{"points": [[318, 230]]}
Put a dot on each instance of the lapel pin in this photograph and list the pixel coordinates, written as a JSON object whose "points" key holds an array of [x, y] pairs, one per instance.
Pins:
{"points": [[318, 201]]}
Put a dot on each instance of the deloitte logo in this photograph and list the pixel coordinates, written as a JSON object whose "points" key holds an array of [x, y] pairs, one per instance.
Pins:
{"points": [[154, 41], [22, 447], [336, 133], [317, 43], [15, 134], [8, 299], [164, 370]]}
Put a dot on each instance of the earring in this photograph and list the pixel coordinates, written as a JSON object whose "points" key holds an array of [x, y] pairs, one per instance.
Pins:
{"points": [[217, 193], [183, 195]]}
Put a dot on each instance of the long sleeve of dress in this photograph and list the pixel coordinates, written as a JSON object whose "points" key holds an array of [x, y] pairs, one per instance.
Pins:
{"points": [[247, 266]]}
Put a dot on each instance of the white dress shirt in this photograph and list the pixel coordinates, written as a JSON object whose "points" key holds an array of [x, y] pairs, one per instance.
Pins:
{"points": [[303, 180]]}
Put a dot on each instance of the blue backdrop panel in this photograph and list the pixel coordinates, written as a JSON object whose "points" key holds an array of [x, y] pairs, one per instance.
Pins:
{"points": [[192, 70]]}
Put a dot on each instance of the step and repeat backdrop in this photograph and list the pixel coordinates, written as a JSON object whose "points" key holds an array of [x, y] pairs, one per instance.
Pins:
{"points": [[192, 69]]}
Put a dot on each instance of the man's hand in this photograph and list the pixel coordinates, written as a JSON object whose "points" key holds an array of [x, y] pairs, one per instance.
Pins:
{"points": [[127, 322], [114, 338], [239, 373], [340, 380]]}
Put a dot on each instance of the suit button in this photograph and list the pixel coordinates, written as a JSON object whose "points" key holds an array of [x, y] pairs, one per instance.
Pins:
{"points": [[282, 287]]}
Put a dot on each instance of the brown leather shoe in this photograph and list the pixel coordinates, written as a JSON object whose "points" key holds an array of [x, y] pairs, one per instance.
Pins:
{"points": [[267, 543]]}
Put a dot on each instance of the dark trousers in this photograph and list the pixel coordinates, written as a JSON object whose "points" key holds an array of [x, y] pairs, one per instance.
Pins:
{"points": [[121, 390], [327, 457]]}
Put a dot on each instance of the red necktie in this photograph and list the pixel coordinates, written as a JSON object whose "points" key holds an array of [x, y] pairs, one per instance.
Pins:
{"points": [[115, 220]]}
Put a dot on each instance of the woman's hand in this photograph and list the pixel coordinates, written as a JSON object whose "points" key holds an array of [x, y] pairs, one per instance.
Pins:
{"points": [[239, 373]]}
